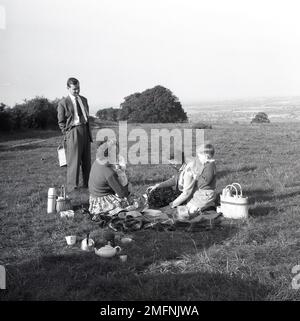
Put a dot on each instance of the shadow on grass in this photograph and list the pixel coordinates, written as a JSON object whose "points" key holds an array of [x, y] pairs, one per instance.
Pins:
{"points": [[84, 276], [292, 184], [38, 134], [220, 174], [244, 169], [267, 195], [147, 181], [261, 210], [259, 195], [158, 246], [26, 147], [80, 207]]}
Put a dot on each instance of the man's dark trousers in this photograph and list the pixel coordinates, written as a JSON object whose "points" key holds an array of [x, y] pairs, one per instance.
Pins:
{"points": [[78, 154]]}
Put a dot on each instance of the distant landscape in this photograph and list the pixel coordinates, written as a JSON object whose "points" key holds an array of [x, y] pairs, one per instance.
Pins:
{"points": [[279, 109]]}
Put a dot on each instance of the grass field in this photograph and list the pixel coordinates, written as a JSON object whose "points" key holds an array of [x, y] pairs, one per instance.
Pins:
{"points": [[240, 260]]}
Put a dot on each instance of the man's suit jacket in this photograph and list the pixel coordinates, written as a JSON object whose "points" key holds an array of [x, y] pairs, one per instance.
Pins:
{"points": [[65, 114]]}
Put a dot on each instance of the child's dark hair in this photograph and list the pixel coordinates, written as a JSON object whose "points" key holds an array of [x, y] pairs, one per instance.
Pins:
{"points": [[207, 149]]}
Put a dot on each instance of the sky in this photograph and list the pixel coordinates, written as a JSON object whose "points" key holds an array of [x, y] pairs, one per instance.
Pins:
{"points": [[200, 50]]}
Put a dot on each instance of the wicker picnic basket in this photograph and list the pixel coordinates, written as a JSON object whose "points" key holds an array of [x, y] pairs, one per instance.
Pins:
{"points": [[233, 203]]}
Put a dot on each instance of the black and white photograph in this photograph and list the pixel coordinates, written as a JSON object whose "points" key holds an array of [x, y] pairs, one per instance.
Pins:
{"points": [[149, 154]]}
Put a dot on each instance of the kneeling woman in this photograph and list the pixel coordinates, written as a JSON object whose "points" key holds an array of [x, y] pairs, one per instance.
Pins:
{"points": [[106, 191]]}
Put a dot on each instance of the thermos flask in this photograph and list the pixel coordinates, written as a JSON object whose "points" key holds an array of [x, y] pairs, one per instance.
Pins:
{"points": [[51, 200]]}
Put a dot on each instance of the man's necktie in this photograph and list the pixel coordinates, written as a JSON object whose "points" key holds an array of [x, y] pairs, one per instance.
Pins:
{"points": [[79, 111]]}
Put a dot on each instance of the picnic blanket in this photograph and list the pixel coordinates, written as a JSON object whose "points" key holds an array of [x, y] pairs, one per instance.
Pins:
{"points": [[129, 221]]}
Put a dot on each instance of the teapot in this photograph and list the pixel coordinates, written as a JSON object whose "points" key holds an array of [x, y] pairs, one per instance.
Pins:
{"points": [[107, 250]]}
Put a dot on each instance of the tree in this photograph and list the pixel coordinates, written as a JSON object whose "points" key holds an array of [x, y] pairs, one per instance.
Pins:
{"points": [[155, 105], [6, 122], [261, 117], [37, 113], [111, 114], [2, 107]]}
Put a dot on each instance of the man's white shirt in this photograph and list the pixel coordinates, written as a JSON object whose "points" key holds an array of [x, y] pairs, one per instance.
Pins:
{"points": [[76, 119]]}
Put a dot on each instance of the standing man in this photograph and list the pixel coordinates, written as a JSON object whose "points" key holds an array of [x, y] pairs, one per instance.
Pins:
{"points": [[73, 120]]}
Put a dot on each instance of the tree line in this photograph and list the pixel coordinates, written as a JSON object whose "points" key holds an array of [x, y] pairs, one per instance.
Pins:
{"points": [[36, 113], [153, 105]]}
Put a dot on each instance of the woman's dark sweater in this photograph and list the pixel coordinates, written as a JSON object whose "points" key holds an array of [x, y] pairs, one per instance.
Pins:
{"points": [[104, 181]]}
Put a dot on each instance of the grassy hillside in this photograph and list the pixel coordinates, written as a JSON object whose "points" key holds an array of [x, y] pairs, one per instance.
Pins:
{"points": [[240, 260]]}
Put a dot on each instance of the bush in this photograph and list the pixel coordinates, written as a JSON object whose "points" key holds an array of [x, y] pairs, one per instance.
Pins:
{"points": [[260, 118], [110, 114], [36, 113], [6, 121], [155, 105], [201, 126]]}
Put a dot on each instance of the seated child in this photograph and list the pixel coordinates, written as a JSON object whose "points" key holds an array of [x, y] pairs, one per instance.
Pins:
{"points": [[200, 190]]}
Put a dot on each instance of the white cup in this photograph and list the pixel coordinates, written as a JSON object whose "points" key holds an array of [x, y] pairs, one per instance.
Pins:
{"points": [[71, 239], [123, 258], [182, 213], [68, 213], [126, 240]]}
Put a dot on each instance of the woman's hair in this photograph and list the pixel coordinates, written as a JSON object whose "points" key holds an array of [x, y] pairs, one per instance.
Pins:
{"points": [[206, 149], [103, 149]]}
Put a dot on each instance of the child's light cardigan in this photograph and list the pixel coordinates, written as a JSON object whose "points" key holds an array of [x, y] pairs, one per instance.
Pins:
{"points": [[189, 180]]}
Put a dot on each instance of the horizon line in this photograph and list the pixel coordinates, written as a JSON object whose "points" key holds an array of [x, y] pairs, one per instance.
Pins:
{"points": [[186, 102]]}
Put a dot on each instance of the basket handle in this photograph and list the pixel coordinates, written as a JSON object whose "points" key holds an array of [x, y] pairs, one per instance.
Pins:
{"points": [[232, 186], [239, 185]]}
